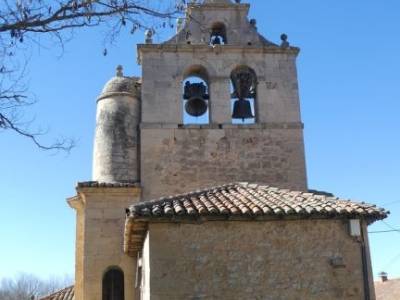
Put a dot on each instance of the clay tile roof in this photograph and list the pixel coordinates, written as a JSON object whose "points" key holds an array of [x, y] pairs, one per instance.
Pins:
{"points": [[64, 294], [388, 290], [240, 201], [243, 200]]}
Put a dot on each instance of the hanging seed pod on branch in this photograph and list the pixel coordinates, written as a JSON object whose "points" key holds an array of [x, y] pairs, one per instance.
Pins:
{"points": [[134, 28], [74, 5]]}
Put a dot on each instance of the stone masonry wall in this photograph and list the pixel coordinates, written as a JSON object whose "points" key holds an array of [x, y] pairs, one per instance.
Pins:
{"points": [[277, 260], [177, 159], [99, 244], [164, 72], [115, 157], [180, 160], [239, 31]]}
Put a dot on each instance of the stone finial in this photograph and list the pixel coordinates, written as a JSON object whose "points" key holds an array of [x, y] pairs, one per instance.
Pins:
{"points": [[384, 276], [120, 71], [284, 43], [149, 36]]}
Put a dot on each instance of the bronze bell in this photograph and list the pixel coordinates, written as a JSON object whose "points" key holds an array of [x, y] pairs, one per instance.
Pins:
{"points": [[196, 94], [242, 109], [196, 107]]}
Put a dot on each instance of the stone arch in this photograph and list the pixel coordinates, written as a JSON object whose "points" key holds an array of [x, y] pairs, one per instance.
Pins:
{"points": [[218, 34], [201, 67], [243, 94], [198, 71], [196, 87], [113, 284]]}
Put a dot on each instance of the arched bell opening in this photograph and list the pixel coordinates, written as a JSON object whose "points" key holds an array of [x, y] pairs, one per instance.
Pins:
{"points": [[196, 96], [113, 284], [218, 34], [243, 95]]}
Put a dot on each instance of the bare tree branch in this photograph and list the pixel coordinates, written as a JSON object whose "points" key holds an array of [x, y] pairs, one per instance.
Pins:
{"points": [[28, 287], [24, 22]]}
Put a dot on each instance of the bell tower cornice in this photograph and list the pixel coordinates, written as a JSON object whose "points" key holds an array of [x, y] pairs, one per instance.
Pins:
{"points": [[146, 48], [217, 2], [219, 5]]}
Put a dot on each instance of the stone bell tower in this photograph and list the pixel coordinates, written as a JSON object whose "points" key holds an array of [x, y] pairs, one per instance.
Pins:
{"points": [[220, 104]]}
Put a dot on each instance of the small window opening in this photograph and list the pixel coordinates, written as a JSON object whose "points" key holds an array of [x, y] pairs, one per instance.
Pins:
{"points": [[139, 271], [113, 284], [218, 34], [243, 95], [196, 97]]}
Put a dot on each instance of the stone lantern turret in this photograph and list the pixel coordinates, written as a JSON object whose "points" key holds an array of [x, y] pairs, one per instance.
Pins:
{"points": [[115, 157]]}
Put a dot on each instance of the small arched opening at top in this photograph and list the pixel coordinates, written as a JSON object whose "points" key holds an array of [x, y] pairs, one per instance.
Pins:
{"points": [[113, 284], [195, 88], [243, 95], [218, 34]]}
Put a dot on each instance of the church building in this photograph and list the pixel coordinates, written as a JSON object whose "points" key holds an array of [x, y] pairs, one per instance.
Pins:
{"points": [[199, 187]]}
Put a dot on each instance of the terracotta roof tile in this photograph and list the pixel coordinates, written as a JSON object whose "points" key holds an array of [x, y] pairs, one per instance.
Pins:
{"points": [[251, 201], [64, 294], [388, 290], [240, 201]]}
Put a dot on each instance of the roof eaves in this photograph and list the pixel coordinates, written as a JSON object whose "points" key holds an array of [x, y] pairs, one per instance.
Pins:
{"points": [[97, 184], [67, 293]]}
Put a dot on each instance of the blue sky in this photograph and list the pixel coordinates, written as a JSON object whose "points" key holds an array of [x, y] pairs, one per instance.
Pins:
{"points": [[350, 94]]}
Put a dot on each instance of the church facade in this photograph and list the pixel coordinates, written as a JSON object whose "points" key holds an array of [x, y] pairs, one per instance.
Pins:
{"points": [[199, 187]]}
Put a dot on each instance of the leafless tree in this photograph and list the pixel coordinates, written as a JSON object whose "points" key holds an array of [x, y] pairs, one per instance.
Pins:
{"points": [[28, 287], [24, 23]]}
